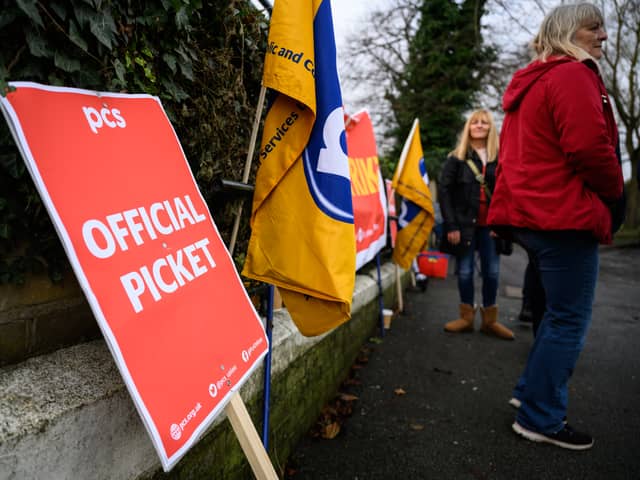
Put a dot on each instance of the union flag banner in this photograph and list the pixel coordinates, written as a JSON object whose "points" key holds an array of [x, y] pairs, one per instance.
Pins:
{"points": [[367, 188], [416, 217], [139, 236], [302, 234], [391, 209]]}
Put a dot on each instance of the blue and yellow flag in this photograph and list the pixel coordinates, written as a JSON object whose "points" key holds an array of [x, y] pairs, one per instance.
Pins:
{"points": [[302, 237], [416, 217]]}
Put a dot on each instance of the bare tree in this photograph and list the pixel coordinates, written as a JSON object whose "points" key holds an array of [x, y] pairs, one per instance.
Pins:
{"points": [[378, 56], [621, 71]]}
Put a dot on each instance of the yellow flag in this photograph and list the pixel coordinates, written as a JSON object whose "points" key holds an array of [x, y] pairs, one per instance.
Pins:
{"points": [[302, 237], [416, 217]]}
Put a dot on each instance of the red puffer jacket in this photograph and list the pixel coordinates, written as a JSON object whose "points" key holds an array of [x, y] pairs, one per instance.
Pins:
{"points": [[558, 164]]}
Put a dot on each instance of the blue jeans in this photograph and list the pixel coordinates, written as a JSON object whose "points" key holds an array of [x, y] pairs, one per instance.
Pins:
{"points": [[567, 262], [489, 264]]}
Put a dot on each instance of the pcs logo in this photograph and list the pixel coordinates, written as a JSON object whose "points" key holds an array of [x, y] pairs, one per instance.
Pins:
{"points": [[327, 168]]}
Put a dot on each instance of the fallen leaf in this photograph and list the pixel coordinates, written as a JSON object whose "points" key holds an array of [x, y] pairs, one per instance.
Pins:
{"points": [[347, 397], [416, 426], [331, 431], [400, 391], [376, 340]]}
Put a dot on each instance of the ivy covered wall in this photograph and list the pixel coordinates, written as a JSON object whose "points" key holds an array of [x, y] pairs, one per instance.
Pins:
{"points": [[203, 59]]}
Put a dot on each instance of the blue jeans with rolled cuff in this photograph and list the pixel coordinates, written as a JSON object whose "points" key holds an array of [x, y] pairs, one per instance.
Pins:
{"points": [[567, 262], [489, 265]]}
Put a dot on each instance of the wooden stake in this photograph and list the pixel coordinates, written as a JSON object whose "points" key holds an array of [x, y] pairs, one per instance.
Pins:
{"points": [[399, 288], [249, 440], [247, 165], [277, 299]]}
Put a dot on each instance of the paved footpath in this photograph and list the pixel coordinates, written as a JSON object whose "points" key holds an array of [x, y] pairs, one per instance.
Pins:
{"points": [[454, 422]]}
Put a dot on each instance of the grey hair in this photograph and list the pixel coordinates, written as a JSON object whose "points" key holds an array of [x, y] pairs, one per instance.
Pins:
{"points": [[558, 28]]}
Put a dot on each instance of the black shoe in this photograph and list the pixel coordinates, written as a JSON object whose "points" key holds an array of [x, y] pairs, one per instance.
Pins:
{"points": [[565, 438], [526, 315]]}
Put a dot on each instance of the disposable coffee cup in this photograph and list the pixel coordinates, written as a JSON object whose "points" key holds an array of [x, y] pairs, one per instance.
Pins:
{"points": [[387, 315]]}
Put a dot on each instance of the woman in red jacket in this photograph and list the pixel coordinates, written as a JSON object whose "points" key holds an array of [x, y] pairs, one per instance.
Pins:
{"points": [[558, 173]]}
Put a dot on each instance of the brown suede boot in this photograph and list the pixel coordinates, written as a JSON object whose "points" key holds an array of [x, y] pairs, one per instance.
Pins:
{"points": [[465, 322], [491, 326]]}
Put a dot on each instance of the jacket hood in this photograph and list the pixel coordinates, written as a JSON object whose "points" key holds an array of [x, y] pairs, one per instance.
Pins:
{"points": [[525, 78]]}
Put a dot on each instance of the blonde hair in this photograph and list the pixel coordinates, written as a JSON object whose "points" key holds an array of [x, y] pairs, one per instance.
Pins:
{"points": [[558, 28], [460, 152]]}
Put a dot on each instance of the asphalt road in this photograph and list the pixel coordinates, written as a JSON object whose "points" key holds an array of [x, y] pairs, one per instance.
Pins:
{"points": [[453, 421]]}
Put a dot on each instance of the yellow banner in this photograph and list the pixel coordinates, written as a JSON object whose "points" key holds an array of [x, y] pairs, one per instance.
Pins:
{"points": [[416, 217], [303, 237]]}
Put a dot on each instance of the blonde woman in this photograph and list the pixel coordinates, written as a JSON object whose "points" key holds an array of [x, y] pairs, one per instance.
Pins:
{"points": [[559, 176], [464, 190]]}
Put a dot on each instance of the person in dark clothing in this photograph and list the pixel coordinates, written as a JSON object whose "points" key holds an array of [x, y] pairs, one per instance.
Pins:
{"points": [[533, 298], [464, 191], [557, 178]]}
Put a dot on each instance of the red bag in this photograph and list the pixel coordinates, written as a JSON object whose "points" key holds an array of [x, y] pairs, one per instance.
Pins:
{"points": [[433, 264]]}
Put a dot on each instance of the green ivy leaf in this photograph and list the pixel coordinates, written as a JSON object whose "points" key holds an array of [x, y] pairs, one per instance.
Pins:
{"points": [[104, 28], [120, 70], [84, 15], [149, 74], [63, 62], [53, 79], [127, 59], [170, 60], [5, 231], [187, 69], [175, 92], [3, 203], [59, 10], [30, 7], [182, 18], [90, 78], [37, 44], [7, 18], [75, 37]]}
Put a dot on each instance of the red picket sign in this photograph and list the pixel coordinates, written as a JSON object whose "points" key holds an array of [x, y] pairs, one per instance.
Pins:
{"points": [[159, 280]]}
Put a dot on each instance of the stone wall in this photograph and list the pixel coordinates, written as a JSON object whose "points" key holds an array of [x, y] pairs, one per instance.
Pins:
{"points": [[67, 414], [41, 317]]}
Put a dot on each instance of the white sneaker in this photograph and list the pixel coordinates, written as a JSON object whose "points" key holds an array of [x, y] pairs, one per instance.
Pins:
{"points": [[514, 402], [565, 438]]}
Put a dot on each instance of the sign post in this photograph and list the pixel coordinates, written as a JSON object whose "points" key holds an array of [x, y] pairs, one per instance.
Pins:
{"points": [[162, 286]]}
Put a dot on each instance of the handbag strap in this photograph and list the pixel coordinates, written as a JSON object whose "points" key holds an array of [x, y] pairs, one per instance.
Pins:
{"points": [[479, 177]]}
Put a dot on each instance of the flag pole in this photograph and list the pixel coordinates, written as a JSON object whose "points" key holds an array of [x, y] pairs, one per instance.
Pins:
{"points": [[232, 243], [380, 295], [267, 370], [247, 164]]}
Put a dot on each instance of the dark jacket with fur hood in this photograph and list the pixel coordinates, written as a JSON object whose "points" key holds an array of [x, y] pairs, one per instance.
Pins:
{"points": [[459, 195]]}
